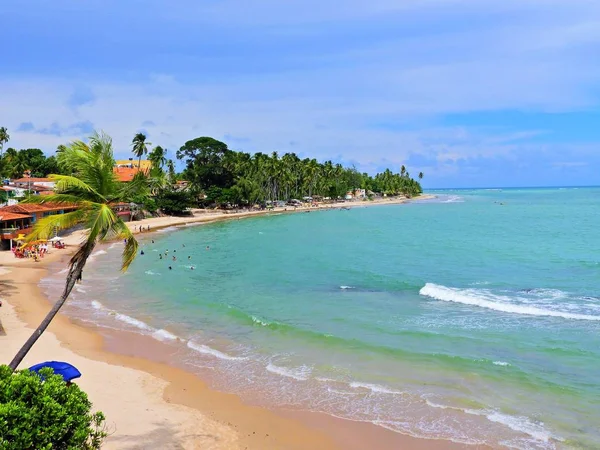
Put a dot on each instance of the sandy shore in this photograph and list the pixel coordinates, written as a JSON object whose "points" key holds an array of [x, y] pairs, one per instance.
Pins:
{"points": [[154, 406]]}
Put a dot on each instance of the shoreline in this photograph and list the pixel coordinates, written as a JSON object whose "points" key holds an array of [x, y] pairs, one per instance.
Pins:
{"points": [[160, 404]]}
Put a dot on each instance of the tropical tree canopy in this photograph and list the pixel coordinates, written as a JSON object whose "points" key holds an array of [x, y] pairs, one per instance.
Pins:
{"points": [[206, 162], [227, 176]]}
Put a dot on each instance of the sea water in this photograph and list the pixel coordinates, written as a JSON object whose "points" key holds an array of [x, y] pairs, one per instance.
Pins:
{"points": [[473, 317]]}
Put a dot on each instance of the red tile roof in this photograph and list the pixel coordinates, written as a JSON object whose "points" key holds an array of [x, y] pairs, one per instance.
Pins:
{"points": [[125, 174], [30, 208], [4, 216]]}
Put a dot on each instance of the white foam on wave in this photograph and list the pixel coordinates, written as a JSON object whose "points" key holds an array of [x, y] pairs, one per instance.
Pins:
{"points": [[133, 321], [518, 423], [113, 245], [65, 270], [205, 349], [485, 299], [164, 335], [375, 388], [261, 322], [4, 271], [149, 272], [501, 363], [97, 305], [80, 290], [453, 199], [347, 287], [297, 373], [167, 230], [98, 253]]}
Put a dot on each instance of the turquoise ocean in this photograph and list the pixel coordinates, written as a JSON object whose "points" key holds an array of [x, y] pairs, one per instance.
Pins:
{"points": [[473, 317]]}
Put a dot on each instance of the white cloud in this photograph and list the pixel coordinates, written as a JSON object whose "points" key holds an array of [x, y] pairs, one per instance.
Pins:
{"points": [[436, 57]]}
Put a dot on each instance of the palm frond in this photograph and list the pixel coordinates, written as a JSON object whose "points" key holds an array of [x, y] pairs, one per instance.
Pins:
{"points": [[120, 231], [60, 199], [99, 221], [65, 183], [44, 228]]}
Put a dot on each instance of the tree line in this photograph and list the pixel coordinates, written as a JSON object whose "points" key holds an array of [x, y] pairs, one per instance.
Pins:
{"points": [[223, 175], [220, 176]]}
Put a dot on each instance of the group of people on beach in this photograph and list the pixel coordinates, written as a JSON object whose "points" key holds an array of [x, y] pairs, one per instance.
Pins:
{"points": [[36, 251], [141, 228]]}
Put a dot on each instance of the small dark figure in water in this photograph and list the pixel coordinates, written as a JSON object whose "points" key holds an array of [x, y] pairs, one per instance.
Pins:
{"points": [[192, 268], [142, 252], [207, 247], [174, 258], [153, 241], [160, 256], [183, 245], [170, 268], [189, 257], [174, 251]]}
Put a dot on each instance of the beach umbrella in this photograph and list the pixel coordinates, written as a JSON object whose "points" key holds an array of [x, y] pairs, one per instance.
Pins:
{"points": [[55, 239], [66, 370]]}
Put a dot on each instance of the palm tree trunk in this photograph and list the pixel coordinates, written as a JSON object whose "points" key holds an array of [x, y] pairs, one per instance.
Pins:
{"points": [[72, 277]]}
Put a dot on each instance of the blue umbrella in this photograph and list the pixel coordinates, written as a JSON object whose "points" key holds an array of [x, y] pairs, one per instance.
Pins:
{"points": [[66, 370]]}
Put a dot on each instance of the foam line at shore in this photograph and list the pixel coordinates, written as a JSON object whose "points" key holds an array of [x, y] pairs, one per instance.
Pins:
{"points": [[205, 349]]}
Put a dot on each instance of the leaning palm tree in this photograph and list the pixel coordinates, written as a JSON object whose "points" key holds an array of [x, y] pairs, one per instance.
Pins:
{"points": [[92, 189], [4, 138], [140, 147]]}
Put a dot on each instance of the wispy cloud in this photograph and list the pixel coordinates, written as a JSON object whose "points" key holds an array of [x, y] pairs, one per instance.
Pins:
{"points": [[372, 83]]}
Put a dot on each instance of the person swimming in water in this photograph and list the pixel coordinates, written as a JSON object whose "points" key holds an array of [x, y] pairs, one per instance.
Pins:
{"points": [[174, 258], [160, 256], [142, 252], [170, 268], [189, 257]]}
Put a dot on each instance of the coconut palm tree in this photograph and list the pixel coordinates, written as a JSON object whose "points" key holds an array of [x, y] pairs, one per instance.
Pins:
{"points": [[4, 138], [158, 157], [92, 189], [140, 147]]}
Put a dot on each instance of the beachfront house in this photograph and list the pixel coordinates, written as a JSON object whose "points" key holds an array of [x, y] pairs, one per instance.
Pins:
{"points": [[19, 219], [125, 211], [28, 182]]}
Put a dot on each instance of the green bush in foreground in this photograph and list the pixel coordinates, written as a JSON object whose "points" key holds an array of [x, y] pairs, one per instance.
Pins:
{"points": [[46, 414]]}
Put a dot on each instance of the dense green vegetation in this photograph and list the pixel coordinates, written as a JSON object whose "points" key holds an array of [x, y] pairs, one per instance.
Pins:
{"points": [[227, 176], [48, 414], [219, 176]]}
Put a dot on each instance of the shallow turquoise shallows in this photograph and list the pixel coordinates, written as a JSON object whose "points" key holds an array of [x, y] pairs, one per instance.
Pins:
{"points": [[473, 317]]}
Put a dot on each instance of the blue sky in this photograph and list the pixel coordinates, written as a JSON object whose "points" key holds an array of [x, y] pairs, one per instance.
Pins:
{"points": [[471, 92]]}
